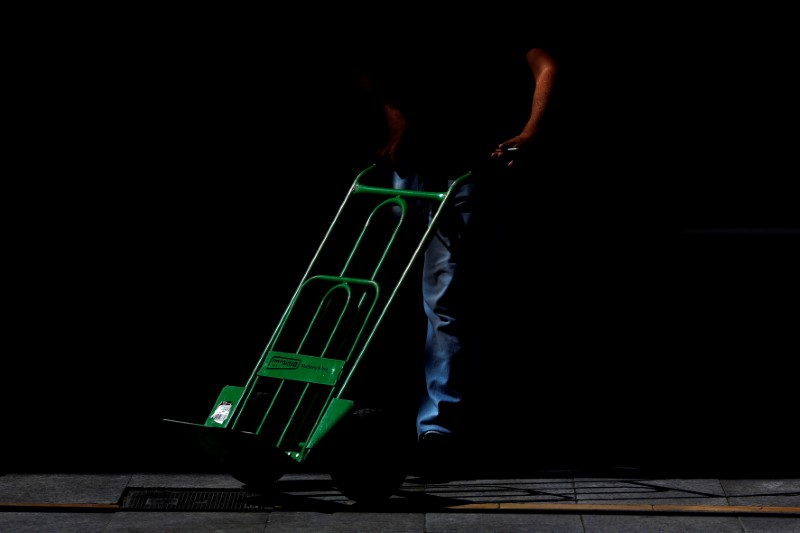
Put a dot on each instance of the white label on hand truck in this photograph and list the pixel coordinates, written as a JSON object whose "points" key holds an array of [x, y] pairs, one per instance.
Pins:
{"points": [[222, 412]]}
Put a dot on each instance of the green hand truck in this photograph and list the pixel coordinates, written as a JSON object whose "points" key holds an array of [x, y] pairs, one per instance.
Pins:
{"points": [[298, 398]]}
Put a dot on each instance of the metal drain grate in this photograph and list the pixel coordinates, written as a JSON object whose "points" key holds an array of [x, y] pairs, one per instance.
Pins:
{"points": [[141, 499]]}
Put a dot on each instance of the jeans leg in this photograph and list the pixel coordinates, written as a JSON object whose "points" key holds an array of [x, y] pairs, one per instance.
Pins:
{"points": [[445, 277]]}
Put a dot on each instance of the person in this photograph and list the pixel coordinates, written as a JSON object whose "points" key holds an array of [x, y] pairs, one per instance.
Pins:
{"points": [[451, 102]]}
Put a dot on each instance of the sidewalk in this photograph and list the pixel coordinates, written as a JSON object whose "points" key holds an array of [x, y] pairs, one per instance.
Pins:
{"points": [[562, 501]]}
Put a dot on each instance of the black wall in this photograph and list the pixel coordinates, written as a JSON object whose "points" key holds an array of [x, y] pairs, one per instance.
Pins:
{"points": [[169, 193]]}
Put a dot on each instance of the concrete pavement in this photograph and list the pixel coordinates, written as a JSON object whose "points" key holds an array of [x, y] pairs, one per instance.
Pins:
{"points": [[547, 500]]}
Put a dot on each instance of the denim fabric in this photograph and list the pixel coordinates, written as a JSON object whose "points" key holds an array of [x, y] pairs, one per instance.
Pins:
{"points": [[447, 267]]}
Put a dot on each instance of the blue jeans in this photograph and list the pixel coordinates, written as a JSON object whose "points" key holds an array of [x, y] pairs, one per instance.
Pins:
{"points": [[448, 265]]}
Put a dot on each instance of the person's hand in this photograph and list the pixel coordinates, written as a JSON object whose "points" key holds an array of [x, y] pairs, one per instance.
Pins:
{"points": [[514, 149], [385, 154]]}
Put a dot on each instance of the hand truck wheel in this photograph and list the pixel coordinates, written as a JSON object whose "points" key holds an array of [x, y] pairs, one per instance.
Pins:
{"points": [[371, 454]]}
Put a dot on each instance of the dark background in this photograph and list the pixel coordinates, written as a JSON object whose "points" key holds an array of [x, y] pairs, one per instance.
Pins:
{"points": [[173, 176]]}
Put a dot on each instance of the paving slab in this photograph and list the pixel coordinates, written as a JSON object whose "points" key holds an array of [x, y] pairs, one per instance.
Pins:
{"points": [[63, 488]]}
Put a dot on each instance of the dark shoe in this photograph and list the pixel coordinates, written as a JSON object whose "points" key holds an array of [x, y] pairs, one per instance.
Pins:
{"points": [[434, 438], [439, 457]]}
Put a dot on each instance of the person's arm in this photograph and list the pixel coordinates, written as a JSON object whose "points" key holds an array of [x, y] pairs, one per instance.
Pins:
{"points": [[397, 125], [392, 117], [544, 69]]}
